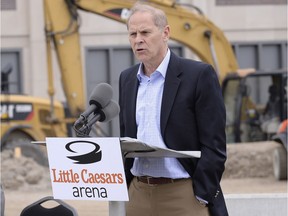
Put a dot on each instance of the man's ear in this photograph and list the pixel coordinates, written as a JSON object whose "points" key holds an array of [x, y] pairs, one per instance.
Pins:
{"points": [[166, 33]]}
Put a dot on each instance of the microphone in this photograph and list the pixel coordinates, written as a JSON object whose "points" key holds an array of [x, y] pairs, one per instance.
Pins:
{"points": [[106, 114], [103, 115], [99, 98]]}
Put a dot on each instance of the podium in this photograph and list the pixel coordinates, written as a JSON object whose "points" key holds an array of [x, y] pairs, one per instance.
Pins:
{"points": [[131, 148]]}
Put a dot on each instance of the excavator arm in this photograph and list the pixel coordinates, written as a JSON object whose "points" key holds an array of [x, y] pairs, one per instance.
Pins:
{"points": [[61, 28], [190, 28]]}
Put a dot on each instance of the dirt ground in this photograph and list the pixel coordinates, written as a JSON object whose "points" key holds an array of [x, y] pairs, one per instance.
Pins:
{"points": [[248, 170]]}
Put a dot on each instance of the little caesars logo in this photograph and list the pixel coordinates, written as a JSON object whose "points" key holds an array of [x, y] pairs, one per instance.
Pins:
{"points": [[91, 157], [90, 179]]}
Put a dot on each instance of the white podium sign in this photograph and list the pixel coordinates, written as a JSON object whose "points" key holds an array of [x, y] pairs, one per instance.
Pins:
{"points": [[87, 169]]}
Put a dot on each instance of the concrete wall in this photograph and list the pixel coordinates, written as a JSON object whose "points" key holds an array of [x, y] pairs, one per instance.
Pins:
{"points": [[257, 204], [259, 22]]}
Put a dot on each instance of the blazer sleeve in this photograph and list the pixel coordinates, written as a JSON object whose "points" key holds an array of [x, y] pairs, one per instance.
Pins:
{"points": [[210, 119]]}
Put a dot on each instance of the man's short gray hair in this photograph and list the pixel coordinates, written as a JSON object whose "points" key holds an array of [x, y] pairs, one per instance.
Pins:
{"points": [[159, 17]]}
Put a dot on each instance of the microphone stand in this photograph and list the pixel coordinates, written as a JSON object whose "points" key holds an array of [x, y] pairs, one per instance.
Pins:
{"points": [[82, 129]]}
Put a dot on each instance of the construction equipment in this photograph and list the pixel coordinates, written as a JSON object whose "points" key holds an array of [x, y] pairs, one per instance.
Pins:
{"points": [[26, 119], [280, 153], [252, 120], [254, 114]]}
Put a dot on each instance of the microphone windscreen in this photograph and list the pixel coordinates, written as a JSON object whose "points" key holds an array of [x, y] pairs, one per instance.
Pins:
{"points": [[111, 111], [101, 95]]}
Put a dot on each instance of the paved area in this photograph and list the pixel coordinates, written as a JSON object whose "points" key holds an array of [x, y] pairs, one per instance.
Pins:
{"points": [[17, 200]]}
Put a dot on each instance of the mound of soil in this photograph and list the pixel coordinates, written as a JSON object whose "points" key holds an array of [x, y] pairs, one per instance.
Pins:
{"points": [[23, 172]]}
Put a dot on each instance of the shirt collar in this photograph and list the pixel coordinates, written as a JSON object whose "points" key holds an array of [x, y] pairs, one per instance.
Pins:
{"points": [[162, 68]]}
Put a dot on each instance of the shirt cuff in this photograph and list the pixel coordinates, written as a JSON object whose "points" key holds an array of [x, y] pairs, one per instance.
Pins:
{"points": [[202, 201]]}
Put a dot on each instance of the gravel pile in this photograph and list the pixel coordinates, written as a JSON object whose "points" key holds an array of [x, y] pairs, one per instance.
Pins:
{"points": [[22, 173]]}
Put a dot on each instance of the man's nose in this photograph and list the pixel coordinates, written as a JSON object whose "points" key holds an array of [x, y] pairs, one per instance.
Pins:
{"points": [[138, 39]]}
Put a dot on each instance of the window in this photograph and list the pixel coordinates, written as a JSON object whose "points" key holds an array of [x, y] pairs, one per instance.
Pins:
{"points": [[11, 72]]}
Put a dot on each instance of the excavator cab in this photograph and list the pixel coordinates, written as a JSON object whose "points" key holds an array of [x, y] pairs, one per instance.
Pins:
{"points": [[256, 104]]}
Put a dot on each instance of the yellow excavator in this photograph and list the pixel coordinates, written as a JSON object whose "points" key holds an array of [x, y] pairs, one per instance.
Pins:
{"points": [[26, 118]]}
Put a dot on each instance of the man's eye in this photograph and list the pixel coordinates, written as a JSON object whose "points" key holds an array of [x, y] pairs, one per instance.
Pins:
{"points": [[132, 34]]}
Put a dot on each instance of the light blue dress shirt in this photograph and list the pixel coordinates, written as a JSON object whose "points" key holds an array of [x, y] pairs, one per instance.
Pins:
{"points": [[148, 110]]}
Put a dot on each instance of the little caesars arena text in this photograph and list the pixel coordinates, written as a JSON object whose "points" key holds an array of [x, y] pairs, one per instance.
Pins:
{"points": [[69, 176]]}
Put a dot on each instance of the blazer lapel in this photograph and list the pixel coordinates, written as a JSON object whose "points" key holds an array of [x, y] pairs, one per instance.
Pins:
{"points": [[131, 89], [171, 85]]}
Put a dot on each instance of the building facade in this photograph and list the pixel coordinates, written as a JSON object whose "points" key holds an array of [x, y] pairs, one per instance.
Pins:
{"points": [[256, 29]]}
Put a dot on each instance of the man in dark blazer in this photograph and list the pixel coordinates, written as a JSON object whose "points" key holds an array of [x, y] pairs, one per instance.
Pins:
{"points": [[191, 118]]}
